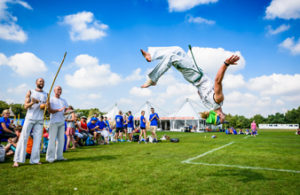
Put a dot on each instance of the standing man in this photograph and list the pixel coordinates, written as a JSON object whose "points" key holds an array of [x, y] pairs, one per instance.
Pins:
{"points": [[57, 108], [119, 126], [130, 125], [153, 118], [253, 128], [34, 103], [143, 127]]}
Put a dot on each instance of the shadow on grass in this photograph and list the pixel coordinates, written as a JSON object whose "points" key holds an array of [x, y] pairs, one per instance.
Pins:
{"points": [[243, 175], [90, 158]]}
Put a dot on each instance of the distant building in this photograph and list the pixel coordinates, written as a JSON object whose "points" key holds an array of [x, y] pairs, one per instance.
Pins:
{"points": [[278, 126]]}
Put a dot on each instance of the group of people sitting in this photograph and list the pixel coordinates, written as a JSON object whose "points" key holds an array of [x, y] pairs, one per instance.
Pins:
{"points": [[80, 131]]}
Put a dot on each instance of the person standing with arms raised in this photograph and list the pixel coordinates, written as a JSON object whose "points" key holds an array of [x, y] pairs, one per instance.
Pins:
{"points": [[35, 102], [57, 108], [153, 118]]}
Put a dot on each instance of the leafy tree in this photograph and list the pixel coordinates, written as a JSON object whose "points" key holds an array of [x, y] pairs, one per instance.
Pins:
{"points": [[293, 116], [18, 109], [83, 112], [3, 106], [259, 119]]}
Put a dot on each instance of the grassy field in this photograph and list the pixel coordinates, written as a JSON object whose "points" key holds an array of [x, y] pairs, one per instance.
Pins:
{"points": [[132, 168]]}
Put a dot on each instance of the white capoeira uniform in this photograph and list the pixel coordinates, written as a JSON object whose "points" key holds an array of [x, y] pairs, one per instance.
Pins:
{"points": [[56, 130], [176, 56], [33, 121]]}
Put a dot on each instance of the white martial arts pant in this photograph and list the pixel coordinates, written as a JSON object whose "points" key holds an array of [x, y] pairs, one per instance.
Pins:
{"points": [[173, 56], [37, 131], [176, 56], [55, 151]]}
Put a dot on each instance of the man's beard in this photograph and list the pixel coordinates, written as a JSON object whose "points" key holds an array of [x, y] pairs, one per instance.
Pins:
{"points": [[40, 86]]}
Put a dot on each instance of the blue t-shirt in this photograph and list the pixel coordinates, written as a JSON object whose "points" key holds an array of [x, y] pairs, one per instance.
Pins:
{"points": [[107, 124], [119, 121], [6, 122], [22, 123], [154, 121], [101, 124], [142, 124], [130, 121], [90, 125]]}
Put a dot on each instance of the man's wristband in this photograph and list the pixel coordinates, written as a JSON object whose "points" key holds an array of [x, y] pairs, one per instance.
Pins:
{"points": [[226, 63]]}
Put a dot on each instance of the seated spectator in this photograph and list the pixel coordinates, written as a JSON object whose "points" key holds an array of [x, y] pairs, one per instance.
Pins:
{"points": [[102, 128], [247, 132], [10, 148], [83, 131], [6, 130], [29, 146], [94, 128], [241, 131], [45, 140], [298, 131]]}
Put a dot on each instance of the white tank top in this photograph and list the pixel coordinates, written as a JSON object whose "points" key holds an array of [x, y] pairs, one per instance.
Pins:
{"points": [[34, 112]]}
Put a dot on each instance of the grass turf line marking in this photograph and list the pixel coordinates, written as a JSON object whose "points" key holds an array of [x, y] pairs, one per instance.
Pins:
{"points": [[204, 154], [246, 137], [188, 161]]}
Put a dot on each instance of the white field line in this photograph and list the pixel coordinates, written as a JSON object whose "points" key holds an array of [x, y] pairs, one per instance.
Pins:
{"points": [[246, 137], [204, 154], [188, 161]]}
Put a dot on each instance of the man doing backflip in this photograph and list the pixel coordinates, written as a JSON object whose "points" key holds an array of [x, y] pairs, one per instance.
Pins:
{"points": [[211, 94]]}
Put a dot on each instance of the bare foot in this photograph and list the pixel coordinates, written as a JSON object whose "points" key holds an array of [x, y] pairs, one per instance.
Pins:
{"points": [[16, 164], [148, 83], [146, 55]]}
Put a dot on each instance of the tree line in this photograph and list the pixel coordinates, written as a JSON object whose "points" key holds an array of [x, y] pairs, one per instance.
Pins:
{"points": [[237, 121]]}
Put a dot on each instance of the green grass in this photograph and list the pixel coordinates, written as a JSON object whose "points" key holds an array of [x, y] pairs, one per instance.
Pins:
{"points": [[131, 168]]}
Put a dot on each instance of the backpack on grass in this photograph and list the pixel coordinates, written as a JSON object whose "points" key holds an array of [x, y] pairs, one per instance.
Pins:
{"points": [[89, 141]]}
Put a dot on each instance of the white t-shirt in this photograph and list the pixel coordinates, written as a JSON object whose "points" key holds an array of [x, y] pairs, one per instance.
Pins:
{"points": [[206, 93], [34, 112], [57, 103]]}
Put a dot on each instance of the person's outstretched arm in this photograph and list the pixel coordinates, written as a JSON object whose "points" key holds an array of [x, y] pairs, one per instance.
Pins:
{"points": [[219, 97]]}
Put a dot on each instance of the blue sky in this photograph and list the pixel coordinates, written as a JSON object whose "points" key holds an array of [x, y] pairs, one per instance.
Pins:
{"points": [[104, 65]]}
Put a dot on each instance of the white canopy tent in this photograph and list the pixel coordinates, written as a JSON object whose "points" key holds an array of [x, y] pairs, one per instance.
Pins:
{"points": [[187, 117], [111, 114]]}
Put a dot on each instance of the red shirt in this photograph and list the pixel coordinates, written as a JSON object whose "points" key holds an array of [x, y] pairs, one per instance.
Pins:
{"points": [[83, 126]]}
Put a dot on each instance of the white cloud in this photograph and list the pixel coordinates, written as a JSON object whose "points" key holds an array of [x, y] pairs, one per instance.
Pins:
{"points": [[247, 104], [278, 30], [291, 45], [180, 5], [84, 26], [135, 76], [19, 90], [284, 9], [140, 92], [279, 102], [24, 64], [126, 101], [9, 30], [276, 84], [233, 81], [200, 20], [93, 96], [210, 59], [90, 74]]}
